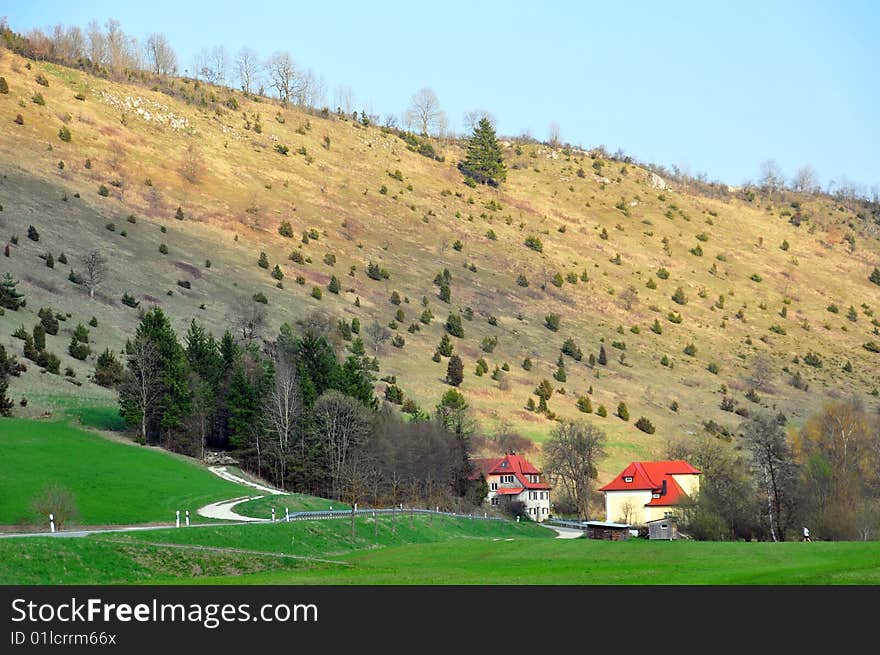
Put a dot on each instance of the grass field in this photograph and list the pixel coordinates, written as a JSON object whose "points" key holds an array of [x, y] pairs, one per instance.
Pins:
{"points": [[113, 482], [451, 551]]}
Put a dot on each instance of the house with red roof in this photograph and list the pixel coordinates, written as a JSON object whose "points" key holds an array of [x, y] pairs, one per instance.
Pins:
{"points": [[513, 478], [647, 491]]}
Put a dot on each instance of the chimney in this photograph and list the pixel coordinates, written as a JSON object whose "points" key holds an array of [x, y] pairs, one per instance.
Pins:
{"points": [[663, 488]]}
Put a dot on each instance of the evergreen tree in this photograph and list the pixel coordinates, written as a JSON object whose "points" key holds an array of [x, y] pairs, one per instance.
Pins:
{"points": [[173, 371], [603, 358], [875, 276], [455, 371], [484, 162], [454, 327], [333, 287], [48, 319], [445, 347], [81, 333], [622, 411], [544, 391], [353, 380], [39, 337], [7, 365], [10, 298], [108, 369]]}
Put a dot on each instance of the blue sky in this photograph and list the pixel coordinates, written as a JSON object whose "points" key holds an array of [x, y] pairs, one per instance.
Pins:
{"points": [[714, 89]]}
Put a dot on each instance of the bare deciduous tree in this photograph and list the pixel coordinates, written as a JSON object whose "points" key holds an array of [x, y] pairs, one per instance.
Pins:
{"points": [[141, 388], [805, 181], [95, 265], [772, 178], [378, 335], [775, 470], [192, 166], [553, 135], [160, 55], [629, 297], [247, 68], [343, 424], [762, 373], [283, 75], [249, 318], [471, 118], [283, 408], [572, 456], [59, 502], [424, 113]]}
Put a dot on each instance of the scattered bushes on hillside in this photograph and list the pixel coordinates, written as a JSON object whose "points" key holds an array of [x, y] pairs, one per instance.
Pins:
{"points": [[454, 326], [129, 301], [551, 321], [534, 243], [622, 411], [645, 425], [285, 229]]}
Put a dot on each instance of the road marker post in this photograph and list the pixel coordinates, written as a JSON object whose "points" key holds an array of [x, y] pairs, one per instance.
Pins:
{"points": [[187, 518], [273, 515], [287, 514], [177, 520], [51, 522]]}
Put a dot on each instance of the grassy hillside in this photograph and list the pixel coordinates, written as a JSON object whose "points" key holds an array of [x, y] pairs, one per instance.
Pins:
{"points": [[603, 227], [452, 551], [112, 482]]}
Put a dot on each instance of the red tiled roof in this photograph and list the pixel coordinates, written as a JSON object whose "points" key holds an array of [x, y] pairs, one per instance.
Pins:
{"points": [[512, 491], [515, 465], [674, 495], [650, 476]]}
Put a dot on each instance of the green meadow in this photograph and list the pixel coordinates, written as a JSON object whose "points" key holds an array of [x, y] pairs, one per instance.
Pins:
{"points": [[422, 552], [112, 481]]}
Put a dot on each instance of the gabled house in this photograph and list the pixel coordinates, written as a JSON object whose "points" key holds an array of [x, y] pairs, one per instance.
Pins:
{"points": [[647, 491], [514, 478]]}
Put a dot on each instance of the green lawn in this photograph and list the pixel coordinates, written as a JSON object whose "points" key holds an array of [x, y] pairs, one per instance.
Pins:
{"points": [[113, 482], [262, 507], [451, 551]]}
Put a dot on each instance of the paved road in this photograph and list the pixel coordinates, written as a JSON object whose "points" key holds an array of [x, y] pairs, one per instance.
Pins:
{"points": [[222, 510], [565, 533]]}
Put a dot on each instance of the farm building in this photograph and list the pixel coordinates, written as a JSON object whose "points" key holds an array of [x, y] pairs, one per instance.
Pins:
{"points": [[665, 528], [646, 491], [607, 531], [513, 478]]}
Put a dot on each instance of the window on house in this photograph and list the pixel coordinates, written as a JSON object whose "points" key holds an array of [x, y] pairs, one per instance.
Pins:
{"points": [[494, 501], [656, 495], [493, 486], [628, 478]]}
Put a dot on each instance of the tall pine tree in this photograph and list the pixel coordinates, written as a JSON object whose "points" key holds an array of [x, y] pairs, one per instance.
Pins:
{"points": [[10, 297], [484, 162]]}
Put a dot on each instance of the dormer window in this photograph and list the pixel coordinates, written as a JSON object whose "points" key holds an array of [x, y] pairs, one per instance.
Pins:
{"points": [[628, 478], [655, 495]]}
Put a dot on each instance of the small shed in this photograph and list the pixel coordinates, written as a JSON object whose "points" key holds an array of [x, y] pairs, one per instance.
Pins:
{"points": [[607, 531], [665, 528]]}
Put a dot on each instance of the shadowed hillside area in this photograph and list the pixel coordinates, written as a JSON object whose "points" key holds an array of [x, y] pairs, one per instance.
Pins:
{"points": [[691, 304]]}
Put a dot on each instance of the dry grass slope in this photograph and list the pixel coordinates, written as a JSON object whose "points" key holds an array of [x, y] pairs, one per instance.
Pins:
{"points": [[155, 154]]}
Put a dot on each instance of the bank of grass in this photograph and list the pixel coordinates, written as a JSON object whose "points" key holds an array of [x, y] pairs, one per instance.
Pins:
{"points": [[451, 551], [261, 508], [175, 555], [112, 482]]}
